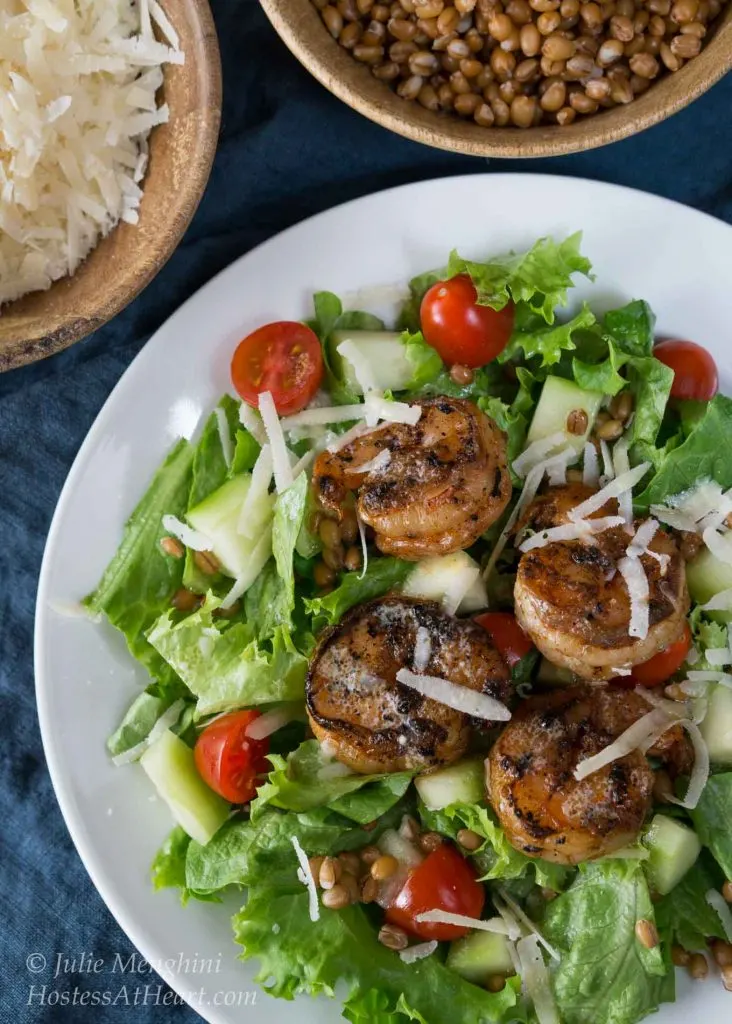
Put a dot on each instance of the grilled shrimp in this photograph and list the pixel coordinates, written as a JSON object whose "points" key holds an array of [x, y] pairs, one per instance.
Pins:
{"points": [[573, 602], [543, 809], [372, 722], [445, 482]]}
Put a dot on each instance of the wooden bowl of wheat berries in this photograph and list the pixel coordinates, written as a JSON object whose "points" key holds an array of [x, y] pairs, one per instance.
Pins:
{"points": [[511, 78], [109, 121]]}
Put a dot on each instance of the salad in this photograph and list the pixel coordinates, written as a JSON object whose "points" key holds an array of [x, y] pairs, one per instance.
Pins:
{"points": [[436, 618]]}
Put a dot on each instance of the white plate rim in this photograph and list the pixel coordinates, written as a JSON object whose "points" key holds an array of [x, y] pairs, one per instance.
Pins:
{"points": [[132, 928]]}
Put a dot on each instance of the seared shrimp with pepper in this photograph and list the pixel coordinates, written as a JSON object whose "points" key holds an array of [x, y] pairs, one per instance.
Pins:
{"points": [[544, 810], [574, 603], [371, 722], [443, 482]]}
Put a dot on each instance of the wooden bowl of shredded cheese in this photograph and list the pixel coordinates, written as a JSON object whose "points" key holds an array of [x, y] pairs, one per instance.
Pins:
{"points": [[109, 120]]}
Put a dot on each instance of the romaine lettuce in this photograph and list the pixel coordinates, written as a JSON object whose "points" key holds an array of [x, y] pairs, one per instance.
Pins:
{"points": [[606, 975], [381, 576], [304, 781], [684, 914], [224, 666], [712, 817]]}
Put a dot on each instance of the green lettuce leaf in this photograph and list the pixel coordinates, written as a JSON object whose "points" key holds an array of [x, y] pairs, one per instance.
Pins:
{"points": [[140, 581], [602, 376], [382, 575], [341, 948], [224, 666], [512, 420], [496, 858], [632, 327], [246, 452], [245, 852], [650, 383], [540, 277], [533, 339], [425, 361], [139, 719], [209, 472], [684, 913], [605, 975], [712, 817], [329, 317], [303, 782], [705, 454]]}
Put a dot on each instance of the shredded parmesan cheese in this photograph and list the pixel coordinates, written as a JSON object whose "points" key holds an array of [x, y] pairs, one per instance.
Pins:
{"points": [[624, 482], [632, 571], [591, 469], [280, 452], [583, 530], [192, 539], [166, 720], [422, 649], [461, 698], [252, 421], [377, 464], [361, 367], [719, 544], [322, 416], [78, 85], [380, 408], [264, 725], [495, 924], [305, 875], [648, 728], [364, 545], [528, 924], [608, 470], [418, 952], [257, 561], [224, 435], [257, 497], [536, 979], [537, 452]]}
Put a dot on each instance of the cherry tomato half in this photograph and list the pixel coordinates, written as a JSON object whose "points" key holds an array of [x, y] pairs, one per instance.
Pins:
{"points": [[695, 372], [663, 665], [444, 880], [508, 638], [463, 332], [284, 358], [228, 760]]}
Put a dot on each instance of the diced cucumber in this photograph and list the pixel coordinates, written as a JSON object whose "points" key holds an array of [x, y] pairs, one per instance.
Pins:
{"points": [[382, 351], [217, 517], [673, 848], [558, 399], [463, 783], [170, 765], [706, 576], [550, 674], [716, 727], [454, 580], [479, 956]]}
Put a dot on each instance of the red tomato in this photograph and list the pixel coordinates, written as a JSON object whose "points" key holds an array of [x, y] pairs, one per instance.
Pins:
{"points": [[228, 761], [463, 332], [508, 638], [284, 358], [444, 880], [663, 665], [695, 372]]}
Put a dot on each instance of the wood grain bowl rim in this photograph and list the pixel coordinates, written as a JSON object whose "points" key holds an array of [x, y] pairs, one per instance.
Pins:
{"points": [[74, 327], [298, 24]]}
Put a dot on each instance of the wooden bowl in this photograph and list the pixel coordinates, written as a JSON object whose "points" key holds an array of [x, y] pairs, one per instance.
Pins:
{"points": [[181, 155], [300, 26]]}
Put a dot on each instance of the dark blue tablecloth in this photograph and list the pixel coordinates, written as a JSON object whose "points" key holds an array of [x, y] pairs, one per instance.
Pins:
{"points": [[288, 150]]}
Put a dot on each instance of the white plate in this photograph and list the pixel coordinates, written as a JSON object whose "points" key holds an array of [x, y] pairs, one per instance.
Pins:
{"points": [[640, 246]]}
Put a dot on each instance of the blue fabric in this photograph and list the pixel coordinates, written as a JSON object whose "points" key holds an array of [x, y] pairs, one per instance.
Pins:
{"points": [[288, 150]]}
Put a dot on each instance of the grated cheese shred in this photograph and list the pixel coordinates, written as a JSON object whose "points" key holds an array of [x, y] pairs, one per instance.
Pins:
{"points": [[78, 85]]}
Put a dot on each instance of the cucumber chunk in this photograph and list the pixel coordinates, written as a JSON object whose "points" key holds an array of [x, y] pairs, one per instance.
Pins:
{"points": [[707, 576], [716, 727], [217, 517], [171, 768], [479, 956], [454, 580], [673, 849], [550, 674], [382, 351], [558, 399], [462, 783]]}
